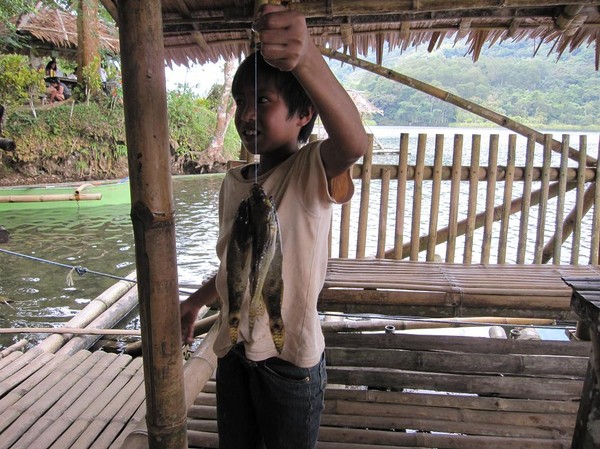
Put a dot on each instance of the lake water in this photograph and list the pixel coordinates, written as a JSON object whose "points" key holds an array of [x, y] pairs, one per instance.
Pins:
{"points": [[101, 240]]}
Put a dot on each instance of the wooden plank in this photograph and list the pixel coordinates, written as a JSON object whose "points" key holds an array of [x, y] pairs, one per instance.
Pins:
{"points": [[427, 361], [435, 343], [510, 387], [383, 209]]}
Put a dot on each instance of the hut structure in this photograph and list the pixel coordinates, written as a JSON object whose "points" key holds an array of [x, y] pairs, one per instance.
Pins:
{"points": [[453, 392], [53, 32]]}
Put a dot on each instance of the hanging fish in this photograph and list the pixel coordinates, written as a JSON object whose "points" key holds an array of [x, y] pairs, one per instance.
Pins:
{"points": [[254, 256]]}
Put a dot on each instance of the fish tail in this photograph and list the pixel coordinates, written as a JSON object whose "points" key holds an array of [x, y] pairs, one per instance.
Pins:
{"points": [[278, 333]]}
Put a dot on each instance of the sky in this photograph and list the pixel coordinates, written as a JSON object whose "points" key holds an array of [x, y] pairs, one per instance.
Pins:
{"points": [[200, 78]]}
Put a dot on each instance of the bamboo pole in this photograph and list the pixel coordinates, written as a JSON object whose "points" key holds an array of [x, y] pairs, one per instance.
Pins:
{"points": [[447, 97], [401, 195], [436, 188], [523, 225], [345, 229], [89, 313], [68, 330], [508, 189], [543, 204], [383, 209], [365, 189], [18, 346], [415, 229], [454, 195], [560, 203], [490, 198], [579, 202], [50, 198], [152, 214], [472, 202]]}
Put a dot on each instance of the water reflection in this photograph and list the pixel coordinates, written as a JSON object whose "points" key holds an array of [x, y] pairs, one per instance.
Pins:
{"points": [[99, 239]]}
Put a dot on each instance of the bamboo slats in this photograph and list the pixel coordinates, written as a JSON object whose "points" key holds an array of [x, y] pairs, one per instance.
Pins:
{"points": [[429, 289], [491, 210], [79, 401]]}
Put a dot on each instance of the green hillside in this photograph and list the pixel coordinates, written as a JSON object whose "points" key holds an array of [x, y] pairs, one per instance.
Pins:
{"points": [[539, 91]]}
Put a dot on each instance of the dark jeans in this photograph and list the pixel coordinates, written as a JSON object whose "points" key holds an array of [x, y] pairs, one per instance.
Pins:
{"points": [[272, 403]]}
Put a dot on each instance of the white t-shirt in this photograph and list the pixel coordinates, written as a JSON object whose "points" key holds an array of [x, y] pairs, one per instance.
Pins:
{"points": [[302, 196]]}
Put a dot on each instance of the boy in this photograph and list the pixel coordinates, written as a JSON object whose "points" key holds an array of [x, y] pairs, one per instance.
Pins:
{"points": [[263, 396]]}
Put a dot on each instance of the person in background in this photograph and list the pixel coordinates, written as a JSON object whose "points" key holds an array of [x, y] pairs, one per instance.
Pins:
{"points": [[52, 68], [58, 91], [263, 395]]}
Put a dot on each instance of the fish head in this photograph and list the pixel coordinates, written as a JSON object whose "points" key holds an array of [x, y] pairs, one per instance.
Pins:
{"points": [[262, 206]]}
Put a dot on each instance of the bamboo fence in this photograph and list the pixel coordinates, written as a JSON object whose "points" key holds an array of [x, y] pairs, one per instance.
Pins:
{"points": [[485, 212]]}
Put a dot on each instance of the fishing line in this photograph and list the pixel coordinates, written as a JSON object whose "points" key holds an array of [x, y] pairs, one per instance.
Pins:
{"points": [[76, 269]]}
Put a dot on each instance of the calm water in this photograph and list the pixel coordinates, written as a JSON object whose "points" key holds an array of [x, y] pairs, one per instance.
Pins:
{"points": [[101, 239]]}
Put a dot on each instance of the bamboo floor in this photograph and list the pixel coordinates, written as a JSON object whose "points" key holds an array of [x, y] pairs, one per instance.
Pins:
{"points": [[416, 391], [431, 289], [385, 390]]}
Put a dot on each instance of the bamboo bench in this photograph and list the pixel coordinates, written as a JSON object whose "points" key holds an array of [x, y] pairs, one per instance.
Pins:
{"points": [[432, 289]]}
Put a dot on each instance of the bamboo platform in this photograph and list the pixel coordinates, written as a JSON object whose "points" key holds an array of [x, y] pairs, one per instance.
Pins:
{"points": [[418, 391], [432, 289]]}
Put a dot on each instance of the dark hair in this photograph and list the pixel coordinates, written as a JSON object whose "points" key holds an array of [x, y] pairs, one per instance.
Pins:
{"points": [[291, 90]]}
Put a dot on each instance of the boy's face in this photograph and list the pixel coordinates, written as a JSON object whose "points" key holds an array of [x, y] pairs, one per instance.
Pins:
{"points": [[262, 121]]}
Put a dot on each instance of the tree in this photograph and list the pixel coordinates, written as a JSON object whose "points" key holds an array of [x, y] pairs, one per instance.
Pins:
{"points": [[225, 111], [88, 46]]}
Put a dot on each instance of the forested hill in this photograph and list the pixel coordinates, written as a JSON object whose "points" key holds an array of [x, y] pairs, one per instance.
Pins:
{"points": [[538, 91]]}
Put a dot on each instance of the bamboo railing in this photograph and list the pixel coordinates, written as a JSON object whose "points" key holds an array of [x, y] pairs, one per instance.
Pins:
{"points": [[500, 206]]}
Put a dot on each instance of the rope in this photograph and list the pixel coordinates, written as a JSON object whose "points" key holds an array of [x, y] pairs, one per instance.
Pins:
{"points": [[75, 269]]}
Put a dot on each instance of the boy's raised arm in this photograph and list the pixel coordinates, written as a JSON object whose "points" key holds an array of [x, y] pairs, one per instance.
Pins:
{"points": [[287, 45]]}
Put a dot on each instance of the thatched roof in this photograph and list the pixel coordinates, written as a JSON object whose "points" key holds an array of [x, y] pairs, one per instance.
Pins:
{"points": [[55, 30], [205, 30]]}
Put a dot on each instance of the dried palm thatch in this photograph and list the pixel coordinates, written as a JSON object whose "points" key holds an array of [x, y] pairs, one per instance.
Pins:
{"points": [[50, 29], [201, 31]]}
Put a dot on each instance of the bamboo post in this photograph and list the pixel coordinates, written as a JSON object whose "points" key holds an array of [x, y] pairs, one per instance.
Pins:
{"points": [[543, 205], [383, 209], [579, 204], [365, 189], [472, 205], [508, 189], [152, 214], [415, 230], [594, 250], [527, 179], [401, 195], [490, 198], [560, 203], [436, 188], [454, 195], [345, 229]]}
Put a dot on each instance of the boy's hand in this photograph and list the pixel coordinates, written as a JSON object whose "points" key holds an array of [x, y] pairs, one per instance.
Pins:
{"points": [[284, 37], [189, 314]]}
